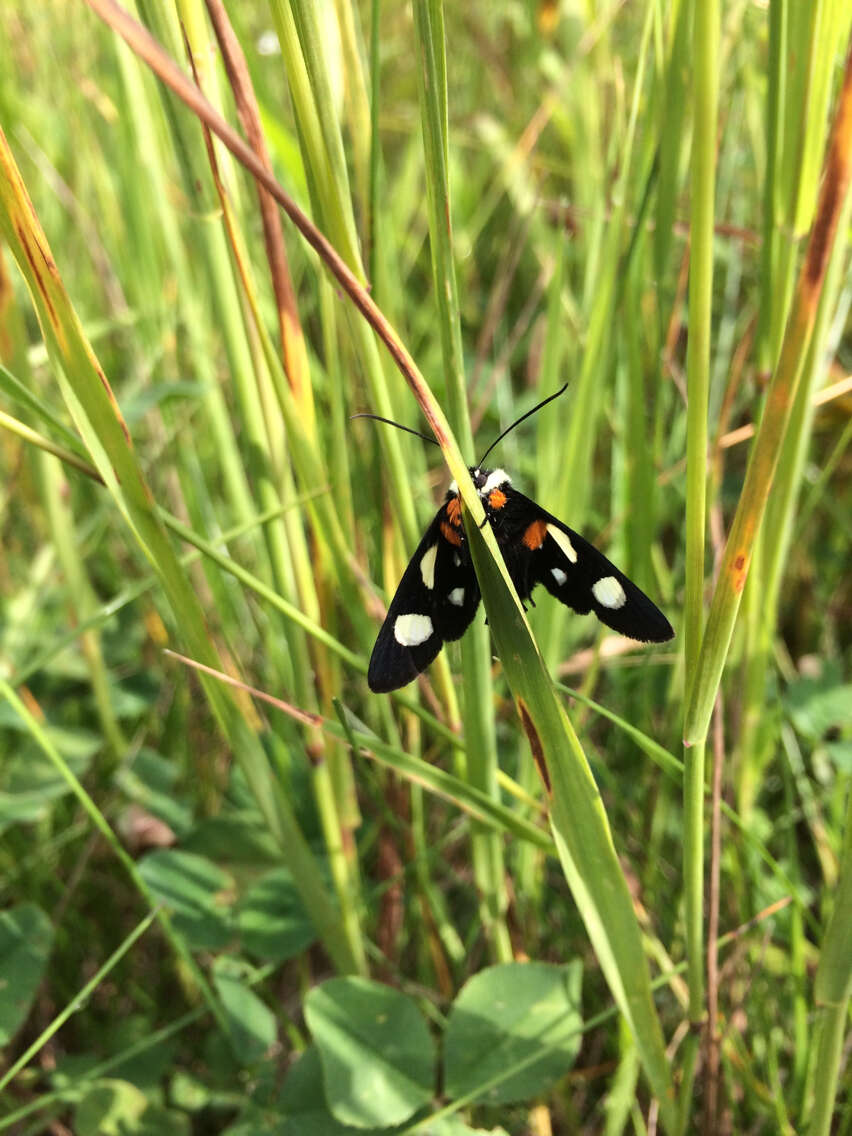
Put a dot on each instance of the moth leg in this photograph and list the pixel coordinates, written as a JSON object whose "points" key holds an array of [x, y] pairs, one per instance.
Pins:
{"points": [[527, 588]]}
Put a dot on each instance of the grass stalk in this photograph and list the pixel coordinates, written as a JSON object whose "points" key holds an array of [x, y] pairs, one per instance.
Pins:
{"points": [[74, 1005], [832, 992], [100, 823], [90, 401], [152, 192], [293, 569], [781, 398], [295, 574], [82, 596], [556, 143], [212, 551], [308, 76], [578, 820], [481, 806], [705, 105], [574, 479], [476, 653]]}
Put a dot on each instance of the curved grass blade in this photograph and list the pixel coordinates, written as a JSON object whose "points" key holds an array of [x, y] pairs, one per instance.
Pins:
{"points": [[578, 820]]}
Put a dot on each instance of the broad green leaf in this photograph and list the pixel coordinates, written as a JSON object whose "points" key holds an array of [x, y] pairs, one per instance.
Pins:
{"points": [[194, 1093], [26, 937], [146, 1065], [151, 782], [252, 1026], [25, 807], [199, 895], [378, 1057], [841, 755], [272, 920], [133, 700], [304, 1102], [263, 1122], [117, 1108], [578, 820], [520, 1022], [73, 744], [236, 837], [29, 782], [815, 709]]}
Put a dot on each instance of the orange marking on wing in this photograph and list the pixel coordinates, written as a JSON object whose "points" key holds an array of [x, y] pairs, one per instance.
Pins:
{"points": [[535, 534], [496, 498], [450, 534], [454, 511]]}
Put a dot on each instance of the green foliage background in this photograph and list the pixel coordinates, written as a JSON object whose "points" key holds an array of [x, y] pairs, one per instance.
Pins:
{"points": [[184, 870]]}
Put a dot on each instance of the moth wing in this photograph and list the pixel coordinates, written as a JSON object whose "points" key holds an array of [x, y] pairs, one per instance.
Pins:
{"points": [[425, 610], [581, 577], [456, 593]]}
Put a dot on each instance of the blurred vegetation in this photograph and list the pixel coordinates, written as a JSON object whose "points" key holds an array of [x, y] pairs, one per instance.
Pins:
{"points": [[221, 917]]}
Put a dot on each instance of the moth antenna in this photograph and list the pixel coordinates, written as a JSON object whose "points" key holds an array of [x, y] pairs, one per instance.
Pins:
{"points": [[523, 417], [399, 426]]}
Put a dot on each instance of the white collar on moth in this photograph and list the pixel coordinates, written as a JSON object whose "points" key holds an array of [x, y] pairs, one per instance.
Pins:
{"points": [[495, 479]]}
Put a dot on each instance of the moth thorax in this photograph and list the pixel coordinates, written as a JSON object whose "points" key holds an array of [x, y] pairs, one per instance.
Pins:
{"points": [[487, 480]]}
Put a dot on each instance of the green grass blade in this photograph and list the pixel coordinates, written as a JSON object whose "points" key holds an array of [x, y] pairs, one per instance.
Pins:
{"points": [[476, 657], [78, 1000], [706, 19], [832, 991], [768, 442], [100, 822], [93, 407], [578, 820]]}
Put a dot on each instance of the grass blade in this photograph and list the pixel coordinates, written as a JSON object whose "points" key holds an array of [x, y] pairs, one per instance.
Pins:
{"points": [[770, 435]]}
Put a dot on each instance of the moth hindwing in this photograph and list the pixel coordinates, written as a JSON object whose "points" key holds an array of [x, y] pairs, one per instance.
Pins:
{"points": [[438, 595], [436, 600]]}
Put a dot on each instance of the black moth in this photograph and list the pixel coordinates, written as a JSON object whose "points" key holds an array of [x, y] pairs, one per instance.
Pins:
{"points": [[438, 594]]}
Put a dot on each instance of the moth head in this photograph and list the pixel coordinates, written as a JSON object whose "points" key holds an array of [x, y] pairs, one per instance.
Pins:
{"points": [[487, 480]]}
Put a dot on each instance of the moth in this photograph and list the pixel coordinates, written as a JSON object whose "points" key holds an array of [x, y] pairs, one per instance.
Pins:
{"points": [[438, 594]]}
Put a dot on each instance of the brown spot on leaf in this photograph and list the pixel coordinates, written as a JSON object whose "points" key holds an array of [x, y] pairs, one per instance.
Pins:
{"points": [[824, 223], [739, 571], [37, 277], [113, 403], [49, 262], [535, 743], [835, 184], [316, 752]]}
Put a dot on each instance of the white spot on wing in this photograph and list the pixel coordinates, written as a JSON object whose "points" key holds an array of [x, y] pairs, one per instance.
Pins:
{"points": [[558, 575], [427, 566], [609, 592], [412, 630], [456, 597], [456, 560], [564, 542], [495, 479]]}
